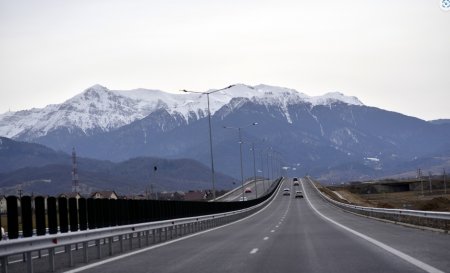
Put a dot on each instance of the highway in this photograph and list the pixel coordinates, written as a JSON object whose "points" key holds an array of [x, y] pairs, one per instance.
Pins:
{"points": [[261, 187], [293, 235]]}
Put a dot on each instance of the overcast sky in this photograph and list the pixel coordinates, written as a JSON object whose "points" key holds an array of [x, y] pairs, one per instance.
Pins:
{"points": [[393, 55]]}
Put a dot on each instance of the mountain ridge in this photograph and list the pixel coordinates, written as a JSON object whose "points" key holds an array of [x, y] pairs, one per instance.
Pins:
{"points": [[98, 109], [329, 137], [34, 168]]}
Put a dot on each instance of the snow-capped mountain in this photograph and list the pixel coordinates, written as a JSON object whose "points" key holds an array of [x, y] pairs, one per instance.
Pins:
{"points": [[99, 109], [331, 136]]}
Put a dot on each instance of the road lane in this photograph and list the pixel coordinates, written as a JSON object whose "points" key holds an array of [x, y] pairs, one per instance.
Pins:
{"points": [[288, 236], [427, 246]]}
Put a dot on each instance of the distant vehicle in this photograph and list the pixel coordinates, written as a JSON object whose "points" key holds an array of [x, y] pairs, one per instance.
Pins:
{"points": [[242, 198], [295, 179], [248, 190], [298, 194], [296, 183], [286, 191]]}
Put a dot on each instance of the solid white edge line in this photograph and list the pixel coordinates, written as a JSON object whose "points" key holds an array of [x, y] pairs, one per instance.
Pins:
{"points": [[89, 266], [404, 256]]}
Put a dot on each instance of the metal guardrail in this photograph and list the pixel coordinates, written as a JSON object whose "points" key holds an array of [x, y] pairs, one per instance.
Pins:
{"points": [[398, 215], [166, 228]]}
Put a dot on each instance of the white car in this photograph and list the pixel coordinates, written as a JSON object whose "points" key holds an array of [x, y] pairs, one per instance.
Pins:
{"points": [[286, 191], [242, 198], [298, 194]]}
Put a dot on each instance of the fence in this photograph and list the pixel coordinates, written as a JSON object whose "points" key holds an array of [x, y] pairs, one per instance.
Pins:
{"points": [[111, 239], [53, 215]]}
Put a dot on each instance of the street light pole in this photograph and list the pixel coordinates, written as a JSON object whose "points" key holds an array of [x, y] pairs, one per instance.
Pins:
{"points": [[242, 169], [240, 152], [268, 167], [213, 177], [262, 171], [254, 168]]}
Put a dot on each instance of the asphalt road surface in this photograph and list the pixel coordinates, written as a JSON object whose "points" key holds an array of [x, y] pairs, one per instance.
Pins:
{"points": [[294, 235]]}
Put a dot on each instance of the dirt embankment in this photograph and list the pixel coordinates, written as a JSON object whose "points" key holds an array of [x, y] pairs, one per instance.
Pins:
{"points": [[399, 200]]}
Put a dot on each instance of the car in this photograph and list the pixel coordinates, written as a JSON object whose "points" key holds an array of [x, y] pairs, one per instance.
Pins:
{"points": [[295, 179], [296, 183], [248, 190], [298, 194], [286, 191], [242, 198]]}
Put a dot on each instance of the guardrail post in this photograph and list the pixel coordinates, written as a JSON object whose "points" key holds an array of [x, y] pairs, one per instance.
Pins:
{"points": [[147, 237], [130, 241], [69, 254], [154, 236], [111, 240], [51, 259], [121, 239], [4, 261], [99, 249], [85, 252], [29, 262]]}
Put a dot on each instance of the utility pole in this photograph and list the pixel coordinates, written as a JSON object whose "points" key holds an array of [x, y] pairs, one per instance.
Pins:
{"points": [[429, 180], [445, 183], [155, 168], [75, 181], [419, 175]]}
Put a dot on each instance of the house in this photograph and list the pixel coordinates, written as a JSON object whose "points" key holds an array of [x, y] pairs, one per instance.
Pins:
{"points": [[104, 195], [2, 204], [194, 196], [70, 195]]}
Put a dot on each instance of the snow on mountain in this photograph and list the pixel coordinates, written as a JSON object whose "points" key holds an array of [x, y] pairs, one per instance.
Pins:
{"points": [[98, 108], [333, 97]]}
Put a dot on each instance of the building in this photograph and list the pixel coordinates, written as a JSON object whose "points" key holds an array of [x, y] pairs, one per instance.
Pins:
{"points": [[194, 196], [104, 195], [70, 195], [2, 204]]}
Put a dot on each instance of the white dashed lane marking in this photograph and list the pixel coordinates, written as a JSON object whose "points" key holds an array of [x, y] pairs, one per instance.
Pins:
{"points": [[254, 251]]}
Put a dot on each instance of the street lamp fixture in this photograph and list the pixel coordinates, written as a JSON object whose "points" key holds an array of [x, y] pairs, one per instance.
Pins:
{"points": [[207, 93]]}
